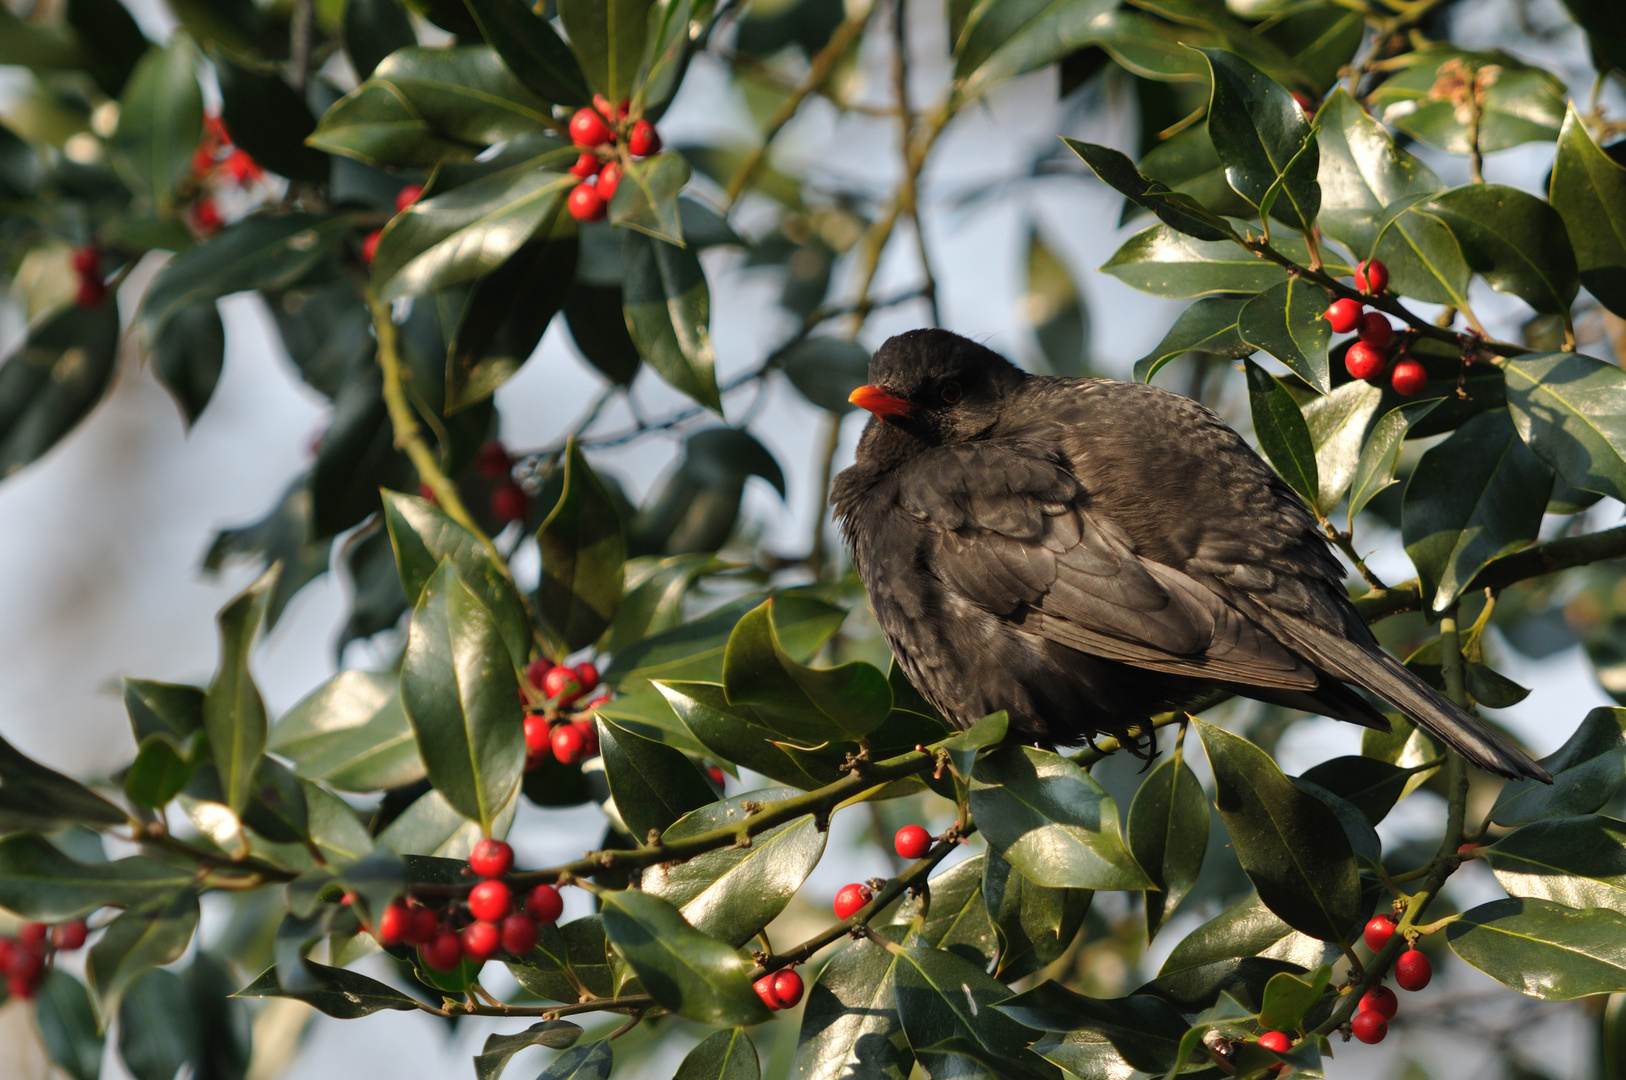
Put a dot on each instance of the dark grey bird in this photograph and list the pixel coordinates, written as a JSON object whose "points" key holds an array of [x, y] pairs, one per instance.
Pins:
{"points": [[1087, 553]]}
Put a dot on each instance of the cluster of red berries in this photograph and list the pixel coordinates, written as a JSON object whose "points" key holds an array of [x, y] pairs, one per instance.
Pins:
{"points": [[24, 958], [596, 131], [87, 264], [403, 199], [489, 922], [571, 742], [781, 989], [217, 156], [1379, 1004], [508, 500], [1367, 357]]}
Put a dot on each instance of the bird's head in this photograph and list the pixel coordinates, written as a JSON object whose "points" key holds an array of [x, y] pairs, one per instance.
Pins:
{"points": [[937, 386]]}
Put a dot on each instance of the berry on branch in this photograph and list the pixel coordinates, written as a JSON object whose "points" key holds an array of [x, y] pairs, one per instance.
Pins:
{"points": [[1413, 970], [851, 898], [1378, 931], [1342, 314], [491, 858], [1408, 378], [1369, 1027], [588, 129], [545, 905], [489, 901], [1372, 277], [1381, 1000], [912, 842]]}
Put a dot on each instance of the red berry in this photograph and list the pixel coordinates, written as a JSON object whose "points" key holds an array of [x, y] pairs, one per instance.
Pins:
{"points": [[602, 104], [585, 203], [489, 901], [587, 676], [1369, 1027], [69, 936], [1342, 314], [623, 109], [480, 941], [1372, 277], [536, 672], [609, 178], [1374, 329], [1408, 378], [586, 165], [589, 737], [1412, 970], [242, 168], [87, 260], [369, 246], [569, 745], [8, 949], [545, 905], [91, 292], [206, 215], [1363, 361], [32, 935], [394, 925], [562, 683], [407, 196], [643, 139], [425, 925], [27, 962], [537, 734], [20, 988], [493, 461], [1381, 1000], [510, 503], [518, 934], [587, 128], [717, 775], [1277, 1041], [851, 898], [765, 991], [912, 842], [787, 987], [203, 159], [491, 858], [1306, 104], [1378, 931]]}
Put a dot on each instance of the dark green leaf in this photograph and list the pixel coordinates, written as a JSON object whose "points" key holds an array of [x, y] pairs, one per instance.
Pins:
{"points": [[1514, 240], [1544, 950], [719, 457], [1282, 432], [34, 797], [1427, 98], [37, 881], [1606, 32], [826, 370], [724, 1055], [668, 312], [1289, 843], [157, 708], [532, 50], [964, 746], [1362, 172], [54, 379], [1236, 952], [607, 37], [598, 326], [1587, 770], [465, 92], [1003, 40], [1164, 262], [1588, 189], [695, 649], [1376, 469], [507, 312], [1264, 140], [806, 705], [1033, 925], [1186, 161], [1144, 1030], [352, 733], [1476, 496], [668, 45], [283, 536], [1363, 838], [1571, 410], [956, 918], [160, 122], [1053, 307], [188, 356], [233, 711], [1338, 423], [1370, 785], [372, 30], [693, 974], [1424, 258], [850, 1026], [113, 44], [268, 119], [584, 554], [653, 784], [735, 733], [157, 1026], [460, 693], [494, 1056], [1207, 326], [577, 946], [1051, 821], [67, 1024], [589, 1062], [1168, 836], [375, 124], [1180, 212], [1286, 321], [646, 198], [945, 1003], [160, 770], [653, 600], [334, 991], [1288, 998], [151, 935], [1579, 862]]}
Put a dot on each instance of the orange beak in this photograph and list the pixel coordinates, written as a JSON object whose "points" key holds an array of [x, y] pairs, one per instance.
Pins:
{"points": [[880, 401]]}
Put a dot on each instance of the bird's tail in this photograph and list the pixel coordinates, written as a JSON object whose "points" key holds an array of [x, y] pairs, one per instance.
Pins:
{"points": [[1459, 729]]}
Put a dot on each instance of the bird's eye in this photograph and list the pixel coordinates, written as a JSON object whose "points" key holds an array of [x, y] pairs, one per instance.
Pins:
{"points": [[950, 392]]}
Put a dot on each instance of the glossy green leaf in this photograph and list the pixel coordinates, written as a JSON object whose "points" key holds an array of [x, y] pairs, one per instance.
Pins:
{"points": [[1207, 326], [646, 198], [723, 1055], [850, 1026], [504, 319], [1282, 432], [1588, 189], [160, 122], [54, 378], [1426, 97], [1544, 950], [1264, 140], [732, 892], [1289, 843], [693, 974], [826, 370], [1000, 41], [598, 327], [1370, 785], [1514, 240], [577, 947], [1237, 952], [955, 914], [372, 30], [34, 797], [233, 711], [1186, 162], [1168, 836], [1362, 172], [1180, 212], [269, 251], [498, 1049], [1476, 496], [268, 119], [1579, 862], [946, 1006], [588, 1062], [158, 1028], [1424, 257], [1286, 321], [1051, 821], [375, 124], [806, 705], [1143, 1031], [1164, 262], [38, 881], [1033, 925], [963, 747], [157, 708], [465, 92], [695, 649], [160, 770], [1053, 308], [1338, 423], [68, 1026], [1358, 829], [532, 49], [151, 935], [668, 312], [1587, 771], [1606, 32], [351, 732], [285, 535], [584, 554], [735, 733], [462, 699], [1571, 410], [466, 232], [336, 992], [607, 37], [653, 784], [188, 356], [1375, 471]]}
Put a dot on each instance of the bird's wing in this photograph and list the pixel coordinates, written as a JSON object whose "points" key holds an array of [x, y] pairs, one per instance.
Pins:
{"points": [[1010, 528]]}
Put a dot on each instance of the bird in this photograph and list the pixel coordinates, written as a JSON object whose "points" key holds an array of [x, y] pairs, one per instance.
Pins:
{"points": [[1086, 553]]}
